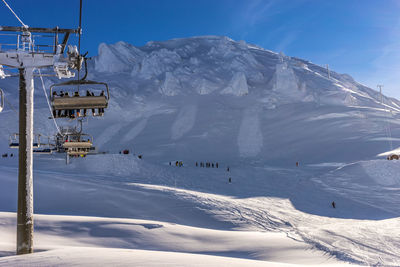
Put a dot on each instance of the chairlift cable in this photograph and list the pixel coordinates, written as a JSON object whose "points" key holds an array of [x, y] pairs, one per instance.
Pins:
{"points": [[48, 103], [79, 39], [23, 24], [12, 107], [387, 128]]}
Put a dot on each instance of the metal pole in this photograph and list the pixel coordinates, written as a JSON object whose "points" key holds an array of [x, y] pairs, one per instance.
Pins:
{"points": [[380, 92], [327, 70], [25, 161]]}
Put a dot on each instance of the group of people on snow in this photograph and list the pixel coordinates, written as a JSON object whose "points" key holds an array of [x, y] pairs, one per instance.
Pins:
{"points": [[207, 164], [177, 163]]}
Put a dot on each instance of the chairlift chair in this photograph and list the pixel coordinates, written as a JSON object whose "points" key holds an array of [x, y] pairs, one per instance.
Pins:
{"points": [[43, 151], [77, 144], [1, 100], [82, 101], [45, 148], [14, 141]]}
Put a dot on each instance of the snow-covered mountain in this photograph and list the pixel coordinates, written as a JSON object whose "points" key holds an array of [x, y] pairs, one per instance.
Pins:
{"points": [[217, 100], [218, 65], [213, 98]]}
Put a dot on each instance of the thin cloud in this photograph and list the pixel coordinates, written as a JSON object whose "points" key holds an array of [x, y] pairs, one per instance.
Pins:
{"points": [[286, 41], [270, 22], [257, 10]]}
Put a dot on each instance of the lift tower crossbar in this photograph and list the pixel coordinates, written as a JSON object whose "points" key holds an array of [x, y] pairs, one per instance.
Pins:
{"points": [[26, 56]]}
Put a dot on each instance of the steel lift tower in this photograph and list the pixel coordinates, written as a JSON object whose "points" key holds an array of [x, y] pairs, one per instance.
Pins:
{"points": [[22, 51]]}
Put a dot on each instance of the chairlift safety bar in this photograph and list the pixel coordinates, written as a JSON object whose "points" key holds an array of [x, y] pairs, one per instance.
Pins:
{"points": [[77, 83], [81, 102]]}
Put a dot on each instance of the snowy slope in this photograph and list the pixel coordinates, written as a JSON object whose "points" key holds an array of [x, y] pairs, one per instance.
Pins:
{"points": [[213, 99], [185, 97]]}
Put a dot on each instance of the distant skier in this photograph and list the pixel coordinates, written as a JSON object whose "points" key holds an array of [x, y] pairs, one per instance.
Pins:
{"points": [[297, 164], [212, 165], [333, 204], [216, 165], [230, 180], [227, 169]]}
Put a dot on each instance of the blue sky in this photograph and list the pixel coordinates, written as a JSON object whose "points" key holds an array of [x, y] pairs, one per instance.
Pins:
{"points": [[358, 37]]}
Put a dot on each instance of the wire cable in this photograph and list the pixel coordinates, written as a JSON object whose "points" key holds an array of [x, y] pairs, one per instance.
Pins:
{"points": [[389, 131], [48, 103], [23, 24], [12, 107], [79, 41]]}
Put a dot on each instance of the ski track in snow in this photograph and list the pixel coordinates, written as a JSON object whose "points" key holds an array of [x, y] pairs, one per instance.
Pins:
{"points": [[136, 130], [250, 138], [356, 241], [108, 134], [348, 240], [184, 121]]}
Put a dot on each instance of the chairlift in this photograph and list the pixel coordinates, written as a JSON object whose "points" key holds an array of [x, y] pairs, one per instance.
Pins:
{"points": [[43, 151], [14, 141], [73, 142], [78, 97], [78, 144], [45, 148], [1, 100]]}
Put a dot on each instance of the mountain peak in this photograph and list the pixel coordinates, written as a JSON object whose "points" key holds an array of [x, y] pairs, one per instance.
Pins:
{"points": [[219, 65]]}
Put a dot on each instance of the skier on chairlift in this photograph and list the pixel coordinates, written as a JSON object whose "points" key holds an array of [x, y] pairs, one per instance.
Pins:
{"points": [[93, 110], [60, 113], [67, 113], [101, 110], [85, 110], [78, 111]]}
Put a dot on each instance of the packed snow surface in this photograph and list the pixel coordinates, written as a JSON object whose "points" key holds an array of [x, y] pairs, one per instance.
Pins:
{"points": [[206, 100]]}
